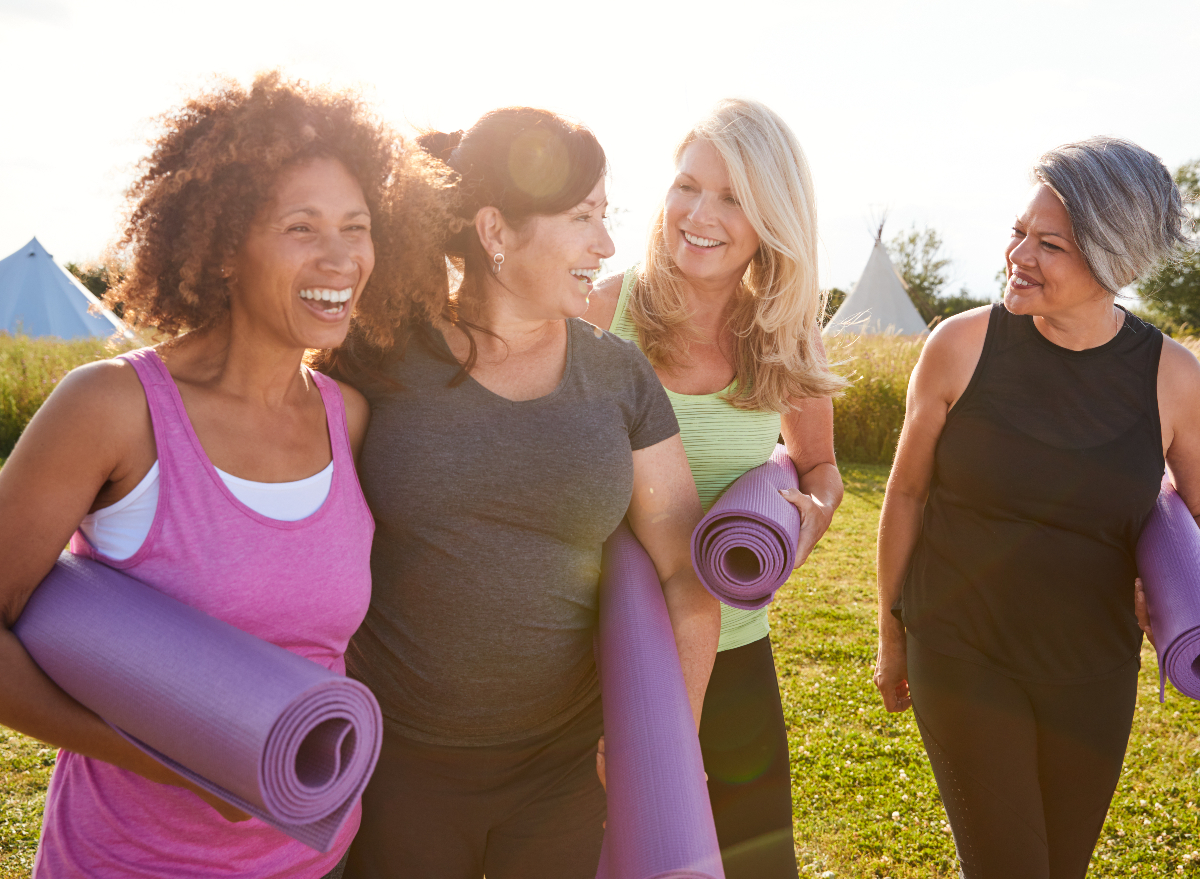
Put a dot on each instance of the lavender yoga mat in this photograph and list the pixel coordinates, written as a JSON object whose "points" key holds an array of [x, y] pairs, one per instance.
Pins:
{"points": [[745, 547], [1168, 558], [660, 823], [280, 737]]}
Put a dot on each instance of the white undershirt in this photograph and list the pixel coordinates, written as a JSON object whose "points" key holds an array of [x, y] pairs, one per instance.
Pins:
{"points": [[118, 531]]}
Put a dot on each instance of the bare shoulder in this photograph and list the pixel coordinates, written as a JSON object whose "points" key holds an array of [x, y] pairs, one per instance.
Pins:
{"points": [[358, 415], [97, 419], [602, 302], [107, 392], [1178, 368], [1178, 389], [952, 352]]}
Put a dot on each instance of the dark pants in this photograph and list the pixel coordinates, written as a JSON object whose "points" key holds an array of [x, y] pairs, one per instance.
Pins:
{"points": [[1026, 770], [744, 740], [529, 810]]}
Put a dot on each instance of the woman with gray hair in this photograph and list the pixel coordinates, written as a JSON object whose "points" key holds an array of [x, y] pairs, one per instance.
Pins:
{"points": [[1034, 443]]}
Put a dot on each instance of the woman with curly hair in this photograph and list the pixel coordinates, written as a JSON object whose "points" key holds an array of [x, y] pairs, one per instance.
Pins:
{"points": [[215, 467], [508, 442], [726, 306]]}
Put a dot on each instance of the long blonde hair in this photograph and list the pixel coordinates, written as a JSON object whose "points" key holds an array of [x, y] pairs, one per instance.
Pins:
{"points": [[778, 304]]}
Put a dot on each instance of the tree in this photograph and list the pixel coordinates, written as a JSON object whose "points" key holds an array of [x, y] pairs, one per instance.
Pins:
{"points": [[98, 278], [1172, 293], [835, 296], [917, 256]]}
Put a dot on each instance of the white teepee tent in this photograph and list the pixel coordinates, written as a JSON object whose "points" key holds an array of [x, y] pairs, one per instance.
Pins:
{"points": [[40, 298], [878, 303]]}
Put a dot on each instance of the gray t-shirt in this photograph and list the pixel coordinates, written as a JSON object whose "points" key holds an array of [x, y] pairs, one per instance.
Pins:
{"points": [[490, 515]]}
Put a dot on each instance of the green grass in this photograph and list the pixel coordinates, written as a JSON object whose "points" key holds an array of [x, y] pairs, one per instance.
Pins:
{"points": [[864, 800], [867, 418], [25, 767]]}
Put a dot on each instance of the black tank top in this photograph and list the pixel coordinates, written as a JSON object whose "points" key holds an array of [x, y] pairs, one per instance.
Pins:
{"points": [[1044, 474]]}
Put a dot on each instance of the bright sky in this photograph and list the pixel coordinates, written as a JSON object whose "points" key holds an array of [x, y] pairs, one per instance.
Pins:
{"points": [[931, 111]]}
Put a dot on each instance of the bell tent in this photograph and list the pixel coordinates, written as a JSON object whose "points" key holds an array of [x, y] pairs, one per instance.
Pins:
{"points": [[40, 298], [879, 302]]}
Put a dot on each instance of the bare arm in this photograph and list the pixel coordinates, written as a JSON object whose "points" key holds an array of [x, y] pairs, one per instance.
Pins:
{"points": [[90, 441], [1179, 414], [808, 434], [663, 512], [939, 379], [1179, 409]]}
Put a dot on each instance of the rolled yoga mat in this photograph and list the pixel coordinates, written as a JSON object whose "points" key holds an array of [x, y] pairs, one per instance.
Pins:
{"points": [[660, 823], [1168, 558], [745, 547], [280, 737]]}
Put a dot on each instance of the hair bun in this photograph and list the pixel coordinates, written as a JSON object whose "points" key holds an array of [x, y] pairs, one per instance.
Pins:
{"points": [[439, 144]]}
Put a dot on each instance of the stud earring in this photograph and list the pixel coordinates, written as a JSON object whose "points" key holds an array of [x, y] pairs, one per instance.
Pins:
{"points": [[497, 261]]}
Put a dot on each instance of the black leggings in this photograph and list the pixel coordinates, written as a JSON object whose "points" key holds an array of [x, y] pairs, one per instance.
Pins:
{"points": [[528, 810], [744, 740], [1026, 770]]}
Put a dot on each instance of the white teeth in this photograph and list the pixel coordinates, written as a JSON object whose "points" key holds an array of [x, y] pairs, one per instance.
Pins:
{"points": [[589, 274], [1017, 282], [324, 294], [701, 242]]}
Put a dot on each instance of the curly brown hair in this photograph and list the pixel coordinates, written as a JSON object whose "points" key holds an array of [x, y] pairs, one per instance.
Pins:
{"points": [[214, 167]]}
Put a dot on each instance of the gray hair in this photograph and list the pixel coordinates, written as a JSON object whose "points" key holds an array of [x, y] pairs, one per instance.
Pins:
{"points": [[1126, 211]]}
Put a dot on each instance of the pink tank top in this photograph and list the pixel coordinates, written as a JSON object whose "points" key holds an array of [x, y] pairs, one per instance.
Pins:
{"points": [[302, 585]]}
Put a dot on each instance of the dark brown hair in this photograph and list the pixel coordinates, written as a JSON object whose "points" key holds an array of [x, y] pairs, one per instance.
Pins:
{"points": [[214, 167], [524, 162]]}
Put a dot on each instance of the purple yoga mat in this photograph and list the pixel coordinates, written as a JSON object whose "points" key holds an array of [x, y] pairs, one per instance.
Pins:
{"points": [[745, 547], [660, 823], [1168, 558], [280, 737]]}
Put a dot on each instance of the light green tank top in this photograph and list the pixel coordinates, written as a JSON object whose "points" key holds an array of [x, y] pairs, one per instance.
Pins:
{"points": [[722, 442]]}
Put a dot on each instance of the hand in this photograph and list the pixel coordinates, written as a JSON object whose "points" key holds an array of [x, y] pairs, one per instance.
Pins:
{"points": [[814, 521], [1143, 613], [891, 676]]}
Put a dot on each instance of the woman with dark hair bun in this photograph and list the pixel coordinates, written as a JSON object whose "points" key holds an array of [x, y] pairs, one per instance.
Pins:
{"points": [[216, 467], [508, 440]]}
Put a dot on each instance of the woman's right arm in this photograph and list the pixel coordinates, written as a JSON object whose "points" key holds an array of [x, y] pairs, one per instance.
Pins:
{"points": [[939, 379], [88, 445]]}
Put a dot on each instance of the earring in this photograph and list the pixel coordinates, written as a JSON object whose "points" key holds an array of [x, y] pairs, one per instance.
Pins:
{"points": [[497, 260]]}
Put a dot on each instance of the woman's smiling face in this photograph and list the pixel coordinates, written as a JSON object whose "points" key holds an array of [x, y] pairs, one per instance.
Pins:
{"points": [[1047, 273], [549, 274], [706, 230], [306, 257]]}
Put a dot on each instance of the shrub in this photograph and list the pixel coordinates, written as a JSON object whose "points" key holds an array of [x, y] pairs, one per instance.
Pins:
{"points": [[29, 370], [868, 417]]}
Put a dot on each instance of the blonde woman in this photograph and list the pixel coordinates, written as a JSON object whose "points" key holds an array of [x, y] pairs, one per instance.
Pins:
{"points": [[726, 308]]}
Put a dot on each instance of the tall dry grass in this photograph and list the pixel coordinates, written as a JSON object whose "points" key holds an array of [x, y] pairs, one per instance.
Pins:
{"points": [[29, 370], [868, 417]]}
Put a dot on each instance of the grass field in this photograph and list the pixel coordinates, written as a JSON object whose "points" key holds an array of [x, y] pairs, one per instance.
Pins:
{"points": [[865, 803]]}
